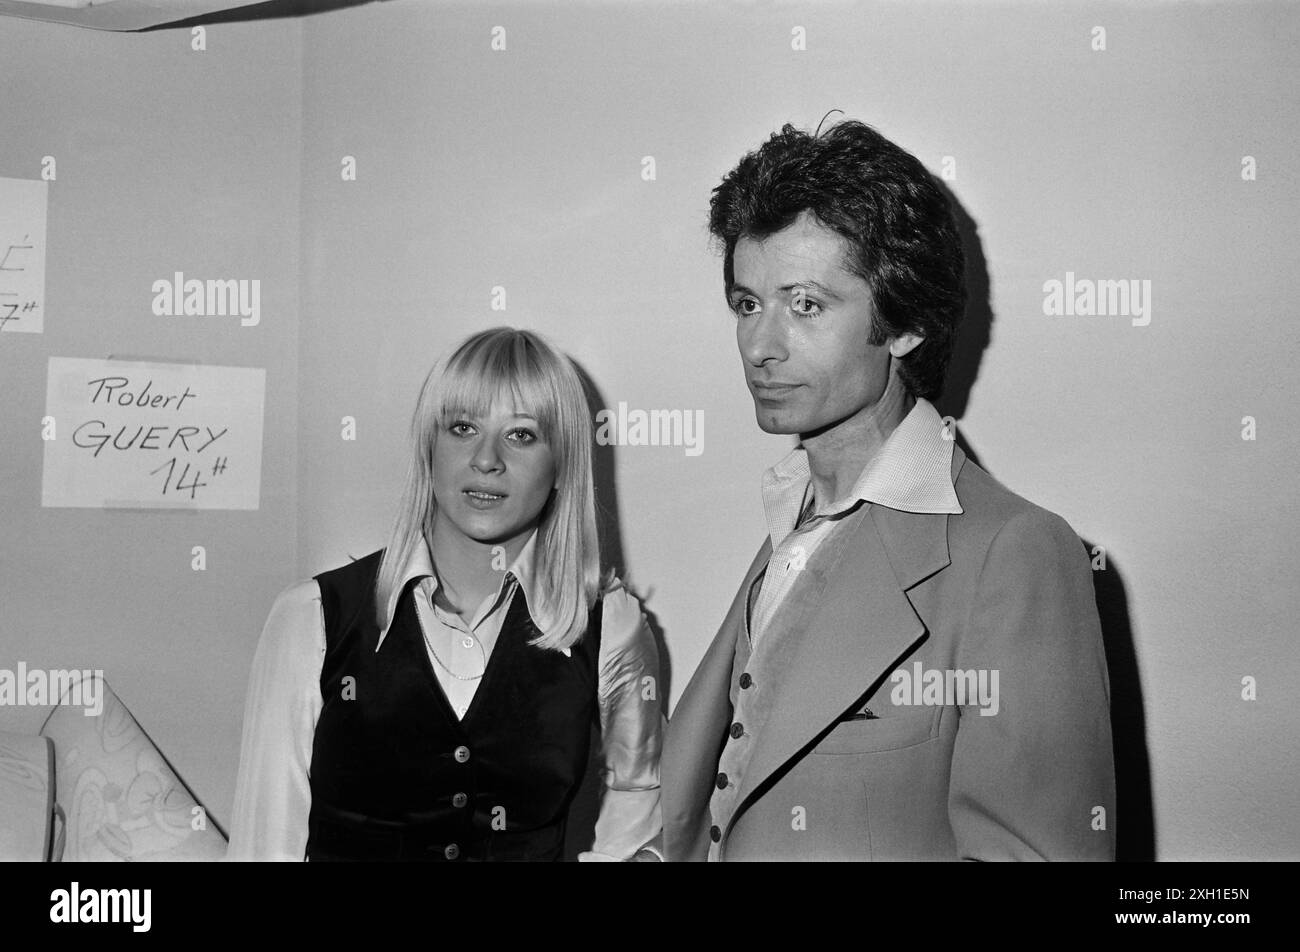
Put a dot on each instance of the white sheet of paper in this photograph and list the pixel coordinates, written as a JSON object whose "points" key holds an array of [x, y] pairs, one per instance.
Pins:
{"points": [[22, 255], [153, 435]]}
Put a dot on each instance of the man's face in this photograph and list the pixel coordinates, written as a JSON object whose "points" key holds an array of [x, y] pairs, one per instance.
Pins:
{"points": [[803, 322]]}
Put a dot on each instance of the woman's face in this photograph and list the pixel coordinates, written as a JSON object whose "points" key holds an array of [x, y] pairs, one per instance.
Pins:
{"points": [[491, 475]]}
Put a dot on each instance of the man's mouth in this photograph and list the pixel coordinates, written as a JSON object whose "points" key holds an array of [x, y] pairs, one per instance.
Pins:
{"points": [[772, 390]]}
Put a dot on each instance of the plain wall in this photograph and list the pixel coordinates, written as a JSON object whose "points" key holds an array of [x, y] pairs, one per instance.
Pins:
{"points": [[168, 159], [522, 169]]}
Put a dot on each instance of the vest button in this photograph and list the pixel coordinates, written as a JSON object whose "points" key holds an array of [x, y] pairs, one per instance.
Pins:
{"points": [[452, 851], [746, 680], [715, 834], [737, 729], [461, 754], [722, 781], [459, 800]]}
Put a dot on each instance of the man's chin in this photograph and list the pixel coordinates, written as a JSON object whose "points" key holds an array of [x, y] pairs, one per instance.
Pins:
{"points": [[776, 424]]}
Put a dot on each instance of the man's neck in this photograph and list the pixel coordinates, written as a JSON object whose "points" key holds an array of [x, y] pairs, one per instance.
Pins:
{"points": [[838, 455]]}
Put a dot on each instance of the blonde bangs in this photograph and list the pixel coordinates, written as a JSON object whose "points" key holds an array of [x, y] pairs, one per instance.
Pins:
{"points": [[498, 370]]}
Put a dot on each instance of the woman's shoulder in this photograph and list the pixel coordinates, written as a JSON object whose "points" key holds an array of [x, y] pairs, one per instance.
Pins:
{"points": [[297, 596], [296, 608], [294, 632], [355, 572]]}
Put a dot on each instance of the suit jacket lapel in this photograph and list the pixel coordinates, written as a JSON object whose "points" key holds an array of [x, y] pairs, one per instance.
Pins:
{"points": [[853, 627], [696, 733]]}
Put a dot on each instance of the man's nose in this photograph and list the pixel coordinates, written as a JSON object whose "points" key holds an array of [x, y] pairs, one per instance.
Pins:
{"points": [[762, 338]]}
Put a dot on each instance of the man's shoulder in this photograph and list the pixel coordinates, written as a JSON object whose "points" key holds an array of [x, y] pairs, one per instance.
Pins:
{"points": [[990, 509]]}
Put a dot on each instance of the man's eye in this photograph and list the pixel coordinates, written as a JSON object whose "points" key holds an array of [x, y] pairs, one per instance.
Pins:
{"points": [[801, 304], [745, 307]]}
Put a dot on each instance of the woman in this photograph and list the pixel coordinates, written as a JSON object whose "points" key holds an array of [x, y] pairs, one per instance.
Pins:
{"points": [[433, 700]]}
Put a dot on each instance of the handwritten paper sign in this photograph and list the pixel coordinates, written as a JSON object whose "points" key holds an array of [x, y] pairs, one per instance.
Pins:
{"points": [[22, 255], [150, 435]]}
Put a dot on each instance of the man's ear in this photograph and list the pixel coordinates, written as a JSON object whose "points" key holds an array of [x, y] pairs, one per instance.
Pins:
{"points": [[904, 344]]}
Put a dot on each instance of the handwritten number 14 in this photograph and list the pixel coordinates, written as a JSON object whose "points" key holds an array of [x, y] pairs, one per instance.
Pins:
{"points": [[181, 485]]}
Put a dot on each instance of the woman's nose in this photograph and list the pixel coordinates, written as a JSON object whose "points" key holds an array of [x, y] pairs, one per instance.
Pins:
{"points": [[486, 459]]}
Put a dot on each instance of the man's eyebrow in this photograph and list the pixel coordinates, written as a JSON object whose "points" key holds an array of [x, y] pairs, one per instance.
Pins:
{"points": [[819, 288], [808, 285]]}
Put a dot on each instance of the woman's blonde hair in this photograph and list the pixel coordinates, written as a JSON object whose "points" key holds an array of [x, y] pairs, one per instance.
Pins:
{"points": [[504, 364]]}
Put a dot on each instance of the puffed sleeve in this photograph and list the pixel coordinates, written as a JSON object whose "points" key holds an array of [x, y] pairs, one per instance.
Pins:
{"points": [[273, 792], [631, 725]]}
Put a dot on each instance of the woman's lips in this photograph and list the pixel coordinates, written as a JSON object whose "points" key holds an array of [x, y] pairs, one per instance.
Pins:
{"points": [[482, 499]]}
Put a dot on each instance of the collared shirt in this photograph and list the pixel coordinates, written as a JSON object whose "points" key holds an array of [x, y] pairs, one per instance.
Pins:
{"points": [[273, 792], [911, 472], [458, 649]]}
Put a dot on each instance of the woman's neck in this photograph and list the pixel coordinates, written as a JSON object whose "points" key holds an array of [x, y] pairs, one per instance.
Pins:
{"points": [[468, 570]]}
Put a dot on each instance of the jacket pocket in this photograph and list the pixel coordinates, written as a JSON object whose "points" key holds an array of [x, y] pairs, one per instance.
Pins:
{"points": [[866, 736]]}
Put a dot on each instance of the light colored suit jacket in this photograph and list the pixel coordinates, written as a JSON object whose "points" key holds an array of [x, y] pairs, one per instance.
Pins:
{"points": [[1003, 586]]}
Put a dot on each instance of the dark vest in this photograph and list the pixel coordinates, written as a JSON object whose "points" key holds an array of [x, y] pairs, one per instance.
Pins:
{"points": [[395, 775]]}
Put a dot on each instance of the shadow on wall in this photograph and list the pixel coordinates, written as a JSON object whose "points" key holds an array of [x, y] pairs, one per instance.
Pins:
{"points": [[1134, 820], [586, 804]]}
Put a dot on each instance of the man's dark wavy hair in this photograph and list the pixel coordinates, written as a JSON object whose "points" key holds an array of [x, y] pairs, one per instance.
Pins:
{"points": [[896, 219]]}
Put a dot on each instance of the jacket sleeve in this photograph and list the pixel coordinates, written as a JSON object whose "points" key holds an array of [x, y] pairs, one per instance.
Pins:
{"points": [[1033, 778]]}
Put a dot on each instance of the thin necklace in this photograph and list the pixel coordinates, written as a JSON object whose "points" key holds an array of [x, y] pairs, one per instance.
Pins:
{"points": [[442, 664]]}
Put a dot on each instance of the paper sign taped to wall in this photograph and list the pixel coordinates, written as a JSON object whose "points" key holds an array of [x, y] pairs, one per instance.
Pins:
{"points": [[22, 255], [150, 435]]}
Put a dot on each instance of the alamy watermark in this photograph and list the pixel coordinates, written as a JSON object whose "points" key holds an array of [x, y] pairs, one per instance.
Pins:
{"points": [[37, 687], [1084, 297], [932, 687], [624, 427], [78, 905], [215, 297]]}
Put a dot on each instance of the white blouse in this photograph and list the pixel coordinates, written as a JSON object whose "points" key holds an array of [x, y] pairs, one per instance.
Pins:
{"points": [[273, 791]]}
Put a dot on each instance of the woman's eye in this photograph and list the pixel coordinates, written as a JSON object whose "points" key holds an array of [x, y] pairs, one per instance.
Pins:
{"points": [[523, 436], [460, 428]]}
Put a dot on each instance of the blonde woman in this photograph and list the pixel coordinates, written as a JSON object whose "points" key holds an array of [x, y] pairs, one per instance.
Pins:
{"points": [[433, 700]]}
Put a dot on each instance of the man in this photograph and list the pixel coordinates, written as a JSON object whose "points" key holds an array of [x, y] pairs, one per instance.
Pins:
{"points": [[913, 665]]}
